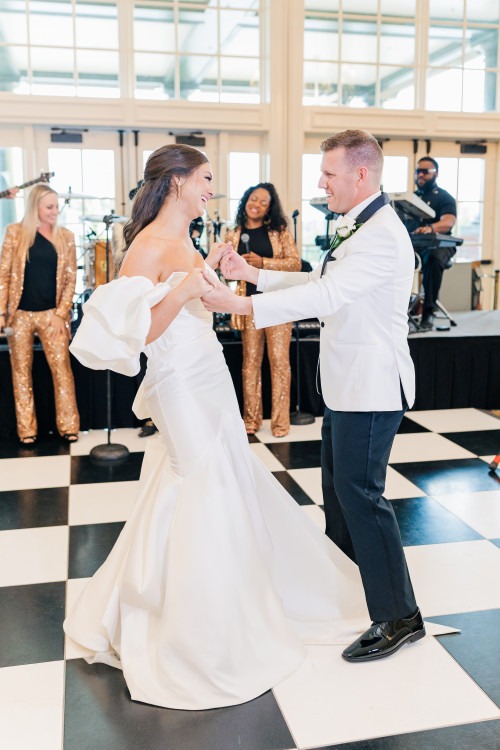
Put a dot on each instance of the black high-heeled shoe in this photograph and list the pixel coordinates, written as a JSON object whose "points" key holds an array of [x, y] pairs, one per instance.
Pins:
{"points": [[70, 437], [29, 441]]}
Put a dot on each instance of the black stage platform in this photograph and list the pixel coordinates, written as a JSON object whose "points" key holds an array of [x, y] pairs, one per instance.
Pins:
{"points": [[456, 368]]}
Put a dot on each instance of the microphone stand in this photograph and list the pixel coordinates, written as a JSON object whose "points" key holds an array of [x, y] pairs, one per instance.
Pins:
{"points": [[298, 417], [109, 451]]}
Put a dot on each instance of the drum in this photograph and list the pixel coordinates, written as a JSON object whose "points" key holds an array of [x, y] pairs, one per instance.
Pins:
{"points": [[100, 263], [118, 242]]}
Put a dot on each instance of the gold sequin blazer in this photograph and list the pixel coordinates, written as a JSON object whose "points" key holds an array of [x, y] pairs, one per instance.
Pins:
{"points": [[285, 258], [12, 265]]}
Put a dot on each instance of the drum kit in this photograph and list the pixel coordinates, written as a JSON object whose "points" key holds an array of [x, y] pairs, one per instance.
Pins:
{"points": [[99, 267], [97, 271]]}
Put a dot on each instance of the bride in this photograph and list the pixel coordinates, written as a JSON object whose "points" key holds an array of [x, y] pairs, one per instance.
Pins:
{"points": [[218, 578]]}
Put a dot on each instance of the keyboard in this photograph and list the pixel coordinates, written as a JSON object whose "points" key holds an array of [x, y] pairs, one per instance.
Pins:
{"points": [[434, 239]]}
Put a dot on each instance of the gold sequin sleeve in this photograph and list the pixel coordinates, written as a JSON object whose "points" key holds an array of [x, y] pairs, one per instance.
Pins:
{"points": [[5, 269], [285, 254], [68, 277]]}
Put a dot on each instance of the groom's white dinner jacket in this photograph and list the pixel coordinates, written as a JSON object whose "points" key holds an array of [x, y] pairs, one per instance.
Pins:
{"points": [[362, 302]]}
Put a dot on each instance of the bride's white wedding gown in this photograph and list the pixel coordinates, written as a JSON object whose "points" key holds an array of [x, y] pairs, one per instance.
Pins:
{"points": [[218, 577]]}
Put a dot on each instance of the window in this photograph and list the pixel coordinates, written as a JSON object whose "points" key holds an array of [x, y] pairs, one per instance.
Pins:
{"points": [[59, 48], [464, 178], [359, 57], [197, 51], [313, 220], [462, 65], [85, 181], [244, 171], [11, 173]]}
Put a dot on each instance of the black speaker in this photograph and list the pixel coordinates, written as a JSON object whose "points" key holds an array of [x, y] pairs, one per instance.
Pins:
{"points": [[473, 148], [190, 140]]}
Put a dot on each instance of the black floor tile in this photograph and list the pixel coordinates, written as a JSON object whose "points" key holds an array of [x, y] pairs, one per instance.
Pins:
{"points": [[484, 735], [89, 546], [253, 439], [293, 489], [423, 521], [98, 705], [31, 619], [408, 425], [46, 446], [482, 442], [304, 454], [449, 476], [26, 509], [476, 648], [84, 470]]}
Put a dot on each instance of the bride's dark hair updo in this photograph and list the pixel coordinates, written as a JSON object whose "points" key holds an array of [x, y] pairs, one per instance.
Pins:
{"points": [[163, 164]]}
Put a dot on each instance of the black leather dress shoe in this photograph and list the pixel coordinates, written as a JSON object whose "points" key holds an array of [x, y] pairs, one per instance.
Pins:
{"points": [[384, 638], [427, 322], [148, 428]]}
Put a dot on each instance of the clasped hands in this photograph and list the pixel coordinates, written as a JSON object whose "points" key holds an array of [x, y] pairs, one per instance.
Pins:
{"points": [[215, 296]]}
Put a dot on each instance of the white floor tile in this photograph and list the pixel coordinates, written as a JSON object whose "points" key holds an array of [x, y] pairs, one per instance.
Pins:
{"points": [[127, 436], [268, 459], [35, 472], [454, 420], [101, 502], [480, 510], [316, 514], [297, 432], [425, 446], [310, 481], [422, 687], [33, 555], [455, 577], [398, 487], [31, 706]]}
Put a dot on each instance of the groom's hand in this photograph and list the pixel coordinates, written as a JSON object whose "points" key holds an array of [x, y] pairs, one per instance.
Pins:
{"points": [[234, 267]]}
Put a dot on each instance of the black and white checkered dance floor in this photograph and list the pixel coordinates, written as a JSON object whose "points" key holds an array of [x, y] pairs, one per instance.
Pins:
{"points": [[60, 515]]}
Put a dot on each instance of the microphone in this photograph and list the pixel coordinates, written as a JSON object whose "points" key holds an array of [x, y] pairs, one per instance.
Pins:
{"points": [[295, 214], [245, 238]]}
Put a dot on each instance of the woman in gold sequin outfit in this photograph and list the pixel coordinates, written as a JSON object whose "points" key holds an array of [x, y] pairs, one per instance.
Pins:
{"points": [[270, 245], [37, 283]]}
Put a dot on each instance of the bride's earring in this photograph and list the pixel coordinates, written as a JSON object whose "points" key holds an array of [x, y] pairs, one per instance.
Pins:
{"points": [[178, 190]]}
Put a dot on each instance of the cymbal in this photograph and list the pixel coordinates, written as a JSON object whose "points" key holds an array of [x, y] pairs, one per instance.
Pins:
{"points": [[80, 196], [100, 218], [217, 196]]}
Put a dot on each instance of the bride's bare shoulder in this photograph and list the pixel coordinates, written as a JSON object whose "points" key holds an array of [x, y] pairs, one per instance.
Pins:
{"points": [[146, 256]]}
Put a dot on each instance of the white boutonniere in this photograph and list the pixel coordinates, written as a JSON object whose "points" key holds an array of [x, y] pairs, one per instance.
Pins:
{"points": [[343, 227]]}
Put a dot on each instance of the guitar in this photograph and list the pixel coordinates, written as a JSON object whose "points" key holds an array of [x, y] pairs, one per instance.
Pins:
{"points": [[44, 177]]}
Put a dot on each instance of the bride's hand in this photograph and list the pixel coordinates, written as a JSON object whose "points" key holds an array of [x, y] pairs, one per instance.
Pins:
{"points": [[196, 284], [217, 251], [221, 299]]}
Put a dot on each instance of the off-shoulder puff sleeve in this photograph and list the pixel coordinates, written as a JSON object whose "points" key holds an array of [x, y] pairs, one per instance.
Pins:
{"points": [[116, 321]]}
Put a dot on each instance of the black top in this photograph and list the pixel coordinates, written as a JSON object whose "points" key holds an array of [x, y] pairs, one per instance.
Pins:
{"points": [[442, 203], [258, 243], [39, 290]]}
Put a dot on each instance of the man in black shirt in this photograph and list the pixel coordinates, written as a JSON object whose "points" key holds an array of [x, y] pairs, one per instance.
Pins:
{"points": [[434, 259]]}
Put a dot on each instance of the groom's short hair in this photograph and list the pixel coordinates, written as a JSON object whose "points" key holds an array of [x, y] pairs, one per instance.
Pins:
{"points": [[361, 148]]}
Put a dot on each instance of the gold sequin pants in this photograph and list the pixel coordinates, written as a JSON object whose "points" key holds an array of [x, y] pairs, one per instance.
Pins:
{"points": [[25, 324], [278, 351]]}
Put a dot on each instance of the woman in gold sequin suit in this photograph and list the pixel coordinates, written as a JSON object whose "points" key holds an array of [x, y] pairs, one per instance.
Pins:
{"points": [[37, 283], [269, 245]]}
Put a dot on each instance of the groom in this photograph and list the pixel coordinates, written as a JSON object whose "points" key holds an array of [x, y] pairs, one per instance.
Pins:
{"points": [[360, 294]]}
